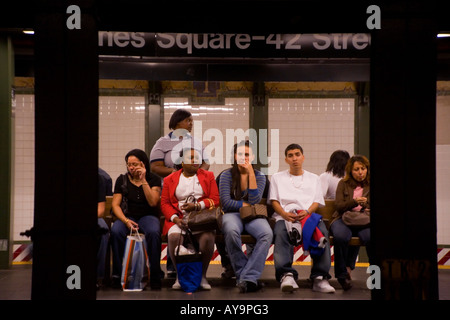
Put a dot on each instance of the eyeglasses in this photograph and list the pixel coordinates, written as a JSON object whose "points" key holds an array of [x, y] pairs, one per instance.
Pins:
{"points": [[133, 164]]}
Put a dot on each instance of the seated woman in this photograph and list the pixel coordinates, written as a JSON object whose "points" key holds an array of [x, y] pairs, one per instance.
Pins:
{"points": [[352, 194], [334, 173], [241, 186], [141, 190], [178, 187], [164, 157]]}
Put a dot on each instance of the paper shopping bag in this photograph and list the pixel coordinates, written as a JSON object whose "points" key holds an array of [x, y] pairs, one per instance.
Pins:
{"points": [[135, 266]]}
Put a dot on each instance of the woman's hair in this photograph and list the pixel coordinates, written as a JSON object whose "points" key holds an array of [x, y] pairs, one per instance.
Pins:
{"points": [[337, 163], [177, 116], [348, 170], [142, 156], [235, 174]]}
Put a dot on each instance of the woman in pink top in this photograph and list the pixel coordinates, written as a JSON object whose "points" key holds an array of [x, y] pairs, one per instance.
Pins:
{"points": [[352, 194]]}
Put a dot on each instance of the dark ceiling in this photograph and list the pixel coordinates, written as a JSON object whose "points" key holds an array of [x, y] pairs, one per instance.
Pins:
{"points": [[253, 17]]}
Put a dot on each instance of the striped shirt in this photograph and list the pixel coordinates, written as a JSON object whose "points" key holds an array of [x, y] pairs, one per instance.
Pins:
{"points": [[168, 149], [228, 202]]}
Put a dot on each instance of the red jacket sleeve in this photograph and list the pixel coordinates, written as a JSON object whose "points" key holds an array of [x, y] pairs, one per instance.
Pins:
{"points": [[167, 207]]}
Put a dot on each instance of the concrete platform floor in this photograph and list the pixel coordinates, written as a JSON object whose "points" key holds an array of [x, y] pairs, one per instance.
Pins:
{"points": [[15, 284]]}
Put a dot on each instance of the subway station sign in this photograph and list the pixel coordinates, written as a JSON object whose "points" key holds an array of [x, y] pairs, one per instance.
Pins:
{"points": [[234, 45]]}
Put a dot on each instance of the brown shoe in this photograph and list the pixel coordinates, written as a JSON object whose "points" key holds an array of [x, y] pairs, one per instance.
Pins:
{"points": [[345, 283]]}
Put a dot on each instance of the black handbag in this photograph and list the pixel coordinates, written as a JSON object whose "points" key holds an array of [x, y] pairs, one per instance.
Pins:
{"points": [[124, 203], [124, 187]]}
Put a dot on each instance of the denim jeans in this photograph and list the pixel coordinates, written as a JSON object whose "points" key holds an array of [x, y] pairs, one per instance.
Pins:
{"points": [[345, 255], [150, 226], [246, 268], [102, 248], [283, 254]]}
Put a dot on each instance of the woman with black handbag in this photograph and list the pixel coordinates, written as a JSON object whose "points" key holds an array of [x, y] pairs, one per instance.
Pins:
{"points": [[190, 181], [352, 217]]}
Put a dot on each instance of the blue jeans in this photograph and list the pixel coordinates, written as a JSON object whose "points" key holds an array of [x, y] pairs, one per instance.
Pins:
{"points": [[102, 249], [345, 255], [150, 226], [283, 254], [246, 268]]}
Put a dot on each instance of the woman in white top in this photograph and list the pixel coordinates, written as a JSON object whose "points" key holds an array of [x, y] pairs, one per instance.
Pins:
{"points": [[334, 173]]}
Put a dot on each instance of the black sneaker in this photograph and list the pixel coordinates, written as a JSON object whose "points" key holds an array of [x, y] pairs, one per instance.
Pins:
{"points": [[242, 286], [253, 287], [345, 283], [228, 273], [248, 286]]}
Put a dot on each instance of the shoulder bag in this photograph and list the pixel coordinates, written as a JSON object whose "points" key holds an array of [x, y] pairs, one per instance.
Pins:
{"points": [[248, 213], [124, 187], [208, 219], [356, 218]]}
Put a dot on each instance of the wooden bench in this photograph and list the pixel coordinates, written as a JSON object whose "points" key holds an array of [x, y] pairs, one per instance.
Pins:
{"points": [[108, 209], [326, 212], [246, 238]]}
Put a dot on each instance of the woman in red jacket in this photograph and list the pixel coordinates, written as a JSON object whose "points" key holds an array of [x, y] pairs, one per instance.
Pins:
{"points": [[189, 181]]}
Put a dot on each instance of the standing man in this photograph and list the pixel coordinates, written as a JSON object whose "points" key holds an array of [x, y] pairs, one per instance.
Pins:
{"points": [[299, 190]]}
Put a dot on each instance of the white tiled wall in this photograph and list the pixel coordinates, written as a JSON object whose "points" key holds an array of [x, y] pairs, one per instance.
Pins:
{"points": [[443, 169], [320, 126], [23, 165], [213, 121], [121, 129], [442, 193]]}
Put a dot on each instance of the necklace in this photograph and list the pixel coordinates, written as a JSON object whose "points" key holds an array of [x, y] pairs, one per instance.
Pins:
{"points": [[293, 183], [184, 174]]}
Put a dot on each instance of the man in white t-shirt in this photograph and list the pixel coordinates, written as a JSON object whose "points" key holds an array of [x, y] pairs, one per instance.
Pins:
{"points": [[298, 189]]}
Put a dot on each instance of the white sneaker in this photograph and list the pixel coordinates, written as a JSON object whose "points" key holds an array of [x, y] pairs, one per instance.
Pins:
{"points": [[322, 285], [204, 284], [288, 283], [176, 285]]}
